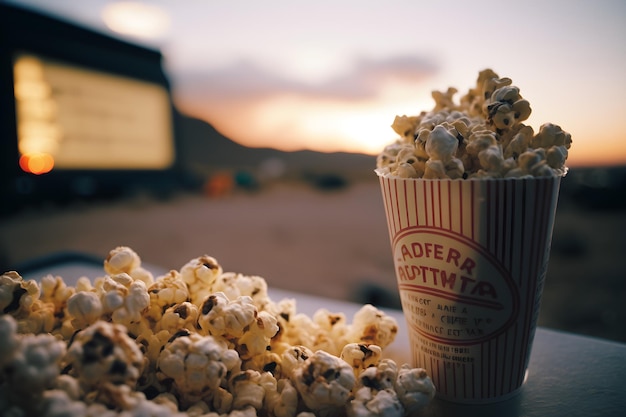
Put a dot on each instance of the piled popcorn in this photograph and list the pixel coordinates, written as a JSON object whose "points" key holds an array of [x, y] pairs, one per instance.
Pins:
{"points": [[482, 136], [195, 342]]}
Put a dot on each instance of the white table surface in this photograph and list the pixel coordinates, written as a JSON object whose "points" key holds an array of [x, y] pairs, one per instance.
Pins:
{"points": [[569, 375]]}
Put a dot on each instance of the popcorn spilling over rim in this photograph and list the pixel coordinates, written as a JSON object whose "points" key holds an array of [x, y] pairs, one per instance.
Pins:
{"points": [[482, 136], [196, 342]]}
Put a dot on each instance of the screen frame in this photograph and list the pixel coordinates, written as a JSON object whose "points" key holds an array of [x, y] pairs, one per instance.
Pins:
{"points": [[25, 31], [78, 118]]}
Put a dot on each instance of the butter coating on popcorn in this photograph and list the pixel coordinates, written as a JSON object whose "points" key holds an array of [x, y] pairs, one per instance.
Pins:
{"points": [[195, 342], [481, 136]]}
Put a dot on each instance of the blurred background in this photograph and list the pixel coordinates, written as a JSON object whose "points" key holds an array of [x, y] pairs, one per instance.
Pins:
{"points": [[248, 131]]}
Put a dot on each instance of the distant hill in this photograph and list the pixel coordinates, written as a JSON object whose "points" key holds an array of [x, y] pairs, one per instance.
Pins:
{"points": [[204, 150]]}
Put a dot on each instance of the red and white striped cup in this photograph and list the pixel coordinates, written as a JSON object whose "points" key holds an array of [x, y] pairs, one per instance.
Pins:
{"points": [[470, 258]]}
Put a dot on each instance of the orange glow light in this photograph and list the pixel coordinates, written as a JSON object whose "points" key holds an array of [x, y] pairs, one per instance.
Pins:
{"points": [[37, 163]]}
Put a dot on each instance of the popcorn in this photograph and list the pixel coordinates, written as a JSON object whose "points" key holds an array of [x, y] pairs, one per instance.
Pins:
{"points": [[234, 285], [324, 382], [267, 361], [482, 136], [135, 299], [20, 299], [414, 388], [53, 290], [40, 319], [334, 324], [179, 316], [103, 357], [196, 342], [221, 317], [29, 363], [375, 394], [16, 295], [282, 398], [519, 143], [166, 291], [301, 330], [121, 259], [361, 356], [507, 108], [125, 260], [370, 403], [385, 390], [372, 326], [239, 322], [197, 366], [69, 385], [58, 403], [256, 340], [152, 342], [8, 331], [84, 308], [200, 274], [248, 389], [442, 146]]}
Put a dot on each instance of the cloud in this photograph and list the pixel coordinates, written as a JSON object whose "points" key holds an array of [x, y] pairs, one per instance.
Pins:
{"points": [[349, 112], [368, 76], [245, 80]]}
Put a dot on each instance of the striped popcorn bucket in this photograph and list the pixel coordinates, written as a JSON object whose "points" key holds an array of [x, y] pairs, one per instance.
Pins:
{"points": [[470, 258]]}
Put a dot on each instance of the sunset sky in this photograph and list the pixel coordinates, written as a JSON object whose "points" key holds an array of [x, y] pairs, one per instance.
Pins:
{"points": [[332, 75]]}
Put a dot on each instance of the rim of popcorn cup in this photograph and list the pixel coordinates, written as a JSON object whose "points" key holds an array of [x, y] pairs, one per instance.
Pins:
{"points": [[557, 174]]}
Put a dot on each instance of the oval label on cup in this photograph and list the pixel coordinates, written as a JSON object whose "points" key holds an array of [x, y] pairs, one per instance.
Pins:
{"points": [[452, 289]]}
